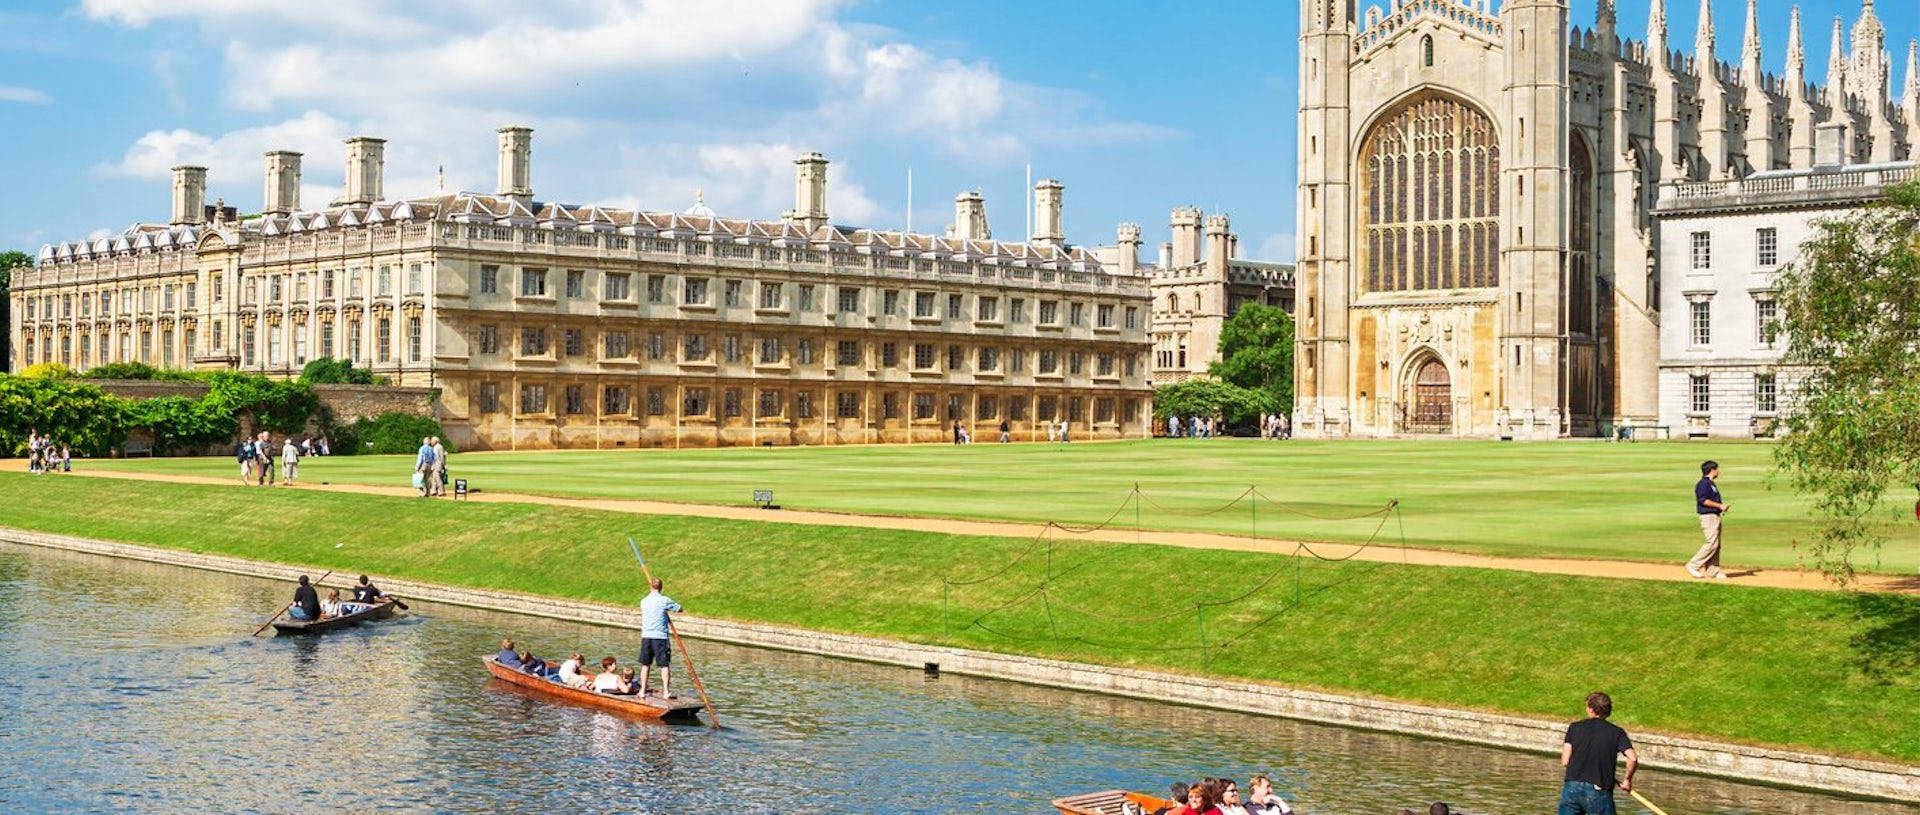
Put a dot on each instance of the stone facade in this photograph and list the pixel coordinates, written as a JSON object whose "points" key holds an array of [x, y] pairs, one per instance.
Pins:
{"points": [[551, 325], [1478, 255], [1198, 286], [1725, 242]]}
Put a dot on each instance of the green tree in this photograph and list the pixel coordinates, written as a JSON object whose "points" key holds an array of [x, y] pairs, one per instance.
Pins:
{"points": [[330, 371], [8, 261], [1205, 396], [1256, 353], [1852, 313]]}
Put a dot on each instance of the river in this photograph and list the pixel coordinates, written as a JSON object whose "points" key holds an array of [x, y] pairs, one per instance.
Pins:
{"points": [[132, 687]]}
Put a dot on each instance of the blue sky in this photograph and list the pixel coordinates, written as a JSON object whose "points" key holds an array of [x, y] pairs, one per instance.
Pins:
{"points": [[1136, 107]]}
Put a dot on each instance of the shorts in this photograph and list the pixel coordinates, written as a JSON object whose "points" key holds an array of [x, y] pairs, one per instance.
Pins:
{"points": [[655, 652]]}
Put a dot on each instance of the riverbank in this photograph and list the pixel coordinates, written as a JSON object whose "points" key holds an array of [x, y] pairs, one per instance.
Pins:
{"points": [[1810, 771], [1820, 672]]}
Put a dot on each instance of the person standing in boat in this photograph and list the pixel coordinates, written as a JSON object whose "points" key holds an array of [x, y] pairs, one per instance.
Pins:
{"points": [[655, 642], [306, 602]]}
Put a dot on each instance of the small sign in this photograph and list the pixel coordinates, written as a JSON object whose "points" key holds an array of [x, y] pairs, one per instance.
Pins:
{"points": [[763, 497], [460, 488]]}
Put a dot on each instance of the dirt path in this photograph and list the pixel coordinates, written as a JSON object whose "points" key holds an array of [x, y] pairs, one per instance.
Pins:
{"points": [[1624, 569]]}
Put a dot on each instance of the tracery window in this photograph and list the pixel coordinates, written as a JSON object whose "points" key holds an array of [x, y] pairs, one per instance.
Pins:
{"points": [[1425, 224], [1580, 283]]}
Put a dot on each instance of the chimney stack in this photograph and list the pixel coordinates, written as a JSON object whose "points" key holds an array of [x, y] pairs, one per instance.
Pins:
{"points": [[516, 164], [1129, 249], [1219, 244], [1831, 145], [1186, 236], [1046, 213], [970, 217], [1166, 255], [189, 195], [809, 192], [283, 183], [366, 163]]}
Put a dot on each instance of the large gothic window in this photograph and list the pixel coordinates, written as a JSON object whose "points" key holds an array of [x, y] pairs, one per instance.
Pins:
{"points": [[1430, 174], [1579, 237]]}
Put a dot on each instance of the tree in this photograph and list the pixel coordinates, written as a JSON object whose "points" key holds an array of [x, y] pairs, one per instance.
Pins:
{"points": [[1256, 353], [1852, 316], [8, 261], [330, 371], [1205, 396]]}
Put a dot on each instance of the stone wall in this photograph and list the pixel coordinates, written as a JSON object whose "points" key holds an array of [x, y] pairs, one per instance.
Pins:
{"points": [[1851, 776]]}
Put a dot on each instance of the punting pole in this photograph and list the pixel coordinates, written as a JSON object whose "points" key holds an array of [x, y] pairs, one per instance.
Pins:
{"points": [[1646, 803]]}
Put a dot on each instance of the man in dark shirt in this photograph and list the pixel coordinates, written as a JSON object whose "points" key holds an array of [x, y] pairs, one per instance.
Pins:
{"points": [[1707, 504], [365, 592], [1588, 756], [306, 602]]}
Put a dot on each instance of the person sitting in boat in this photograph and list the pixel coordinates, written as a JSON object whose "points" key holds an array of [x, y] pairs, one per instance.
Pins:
{"points": [[608, 680], [331, 607], [508, 658], [306, 601], [570, 674], [366, 592], [1199, 802], [1177, 794], [537, 666], [1262, 800]]}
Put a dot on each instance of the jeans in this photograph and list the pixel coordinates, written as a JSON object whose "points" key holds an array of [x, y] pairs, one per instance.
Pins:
{"points": [[1582, 798], [298, 613]]}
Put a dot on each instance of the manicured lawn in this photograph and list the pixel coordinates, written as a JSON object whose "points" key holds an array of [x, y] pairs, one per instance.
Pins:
{"points": [[1820, 670], [1567, 499]]}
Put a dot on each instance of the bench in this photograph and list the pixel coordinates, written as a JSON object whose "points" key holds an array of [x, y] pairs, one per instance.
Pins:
{"points": [[137, 447], [1626, 432]]}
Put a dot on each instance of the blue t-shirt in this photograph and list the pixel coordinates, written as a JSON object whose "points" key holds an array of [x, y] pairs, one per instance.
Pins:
{"points": [[508, 659], [653, 616], [425, 456], [1702, 493]]}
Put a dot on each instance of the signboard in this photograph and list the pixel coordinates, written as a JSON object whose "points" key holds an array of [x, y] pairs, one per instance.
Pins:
{"points": [[459, 488]]}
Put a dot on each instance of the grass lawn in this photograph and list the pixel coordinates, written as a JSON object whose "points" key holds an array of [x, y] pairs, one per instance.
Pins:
{"points": [[1826, 671], [1566, 499]]}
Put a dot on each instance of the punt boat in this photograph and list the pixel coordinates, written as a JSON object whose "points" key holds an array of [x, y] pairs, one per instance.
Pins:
{"points": [[649, 707], [1109, 802], [378, 611]]}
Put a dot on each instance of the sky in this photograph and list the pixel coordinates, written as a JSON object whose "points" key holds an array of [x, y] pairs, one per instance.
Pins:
{"points": [[1136, 107]]}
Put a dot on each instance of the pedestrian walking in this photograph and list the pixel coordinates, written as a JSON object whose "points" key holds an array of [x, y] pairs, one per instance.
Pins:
{"points": [[290, 459], [438, 482], [1708, 505], [1063, 432], [243, 454], [263, 451], [1173, 427], [1006, 431], [423, 466], [66, 458], [956, 431], [1589, 755]]}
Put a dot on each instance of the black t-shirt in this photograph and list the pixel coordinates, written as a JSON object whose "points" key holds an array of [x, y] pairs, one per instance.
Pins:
{"points": [[1597, 744], [308, 600], [365, 593]]}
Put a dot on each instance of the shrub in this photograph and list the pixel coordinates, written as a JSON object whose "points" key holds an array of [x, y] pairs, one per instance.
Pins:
{"points": [[122, 370], [280, 407], [330, 371], [46, 370], [74, 413], [388, 433], [179, 424]]}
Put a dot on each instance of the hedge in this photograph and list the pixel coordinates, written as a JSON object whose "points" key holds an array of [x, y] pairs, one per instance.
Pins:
{"points": [[94, 421]]}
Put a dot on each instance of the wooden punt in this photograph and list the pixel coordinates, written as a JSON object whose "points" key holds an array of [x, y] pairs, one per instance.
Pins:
{"points": [[1109, 802], [648, 707], [378, 611]]}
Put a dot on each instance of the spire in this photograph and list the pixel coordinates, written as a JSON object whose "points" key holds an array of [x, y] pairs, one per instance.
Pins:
{"points": [[1703, 38], [1604, 22], [1796, 52], [1750, 46], [1913, 74], [1657, 32], [1837, 71]]}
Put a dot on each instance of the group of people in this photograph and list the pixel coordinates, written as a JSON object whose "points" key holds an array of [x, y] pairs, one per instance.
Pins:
{"points": [[1221, 796], [44, 456], [255, 457], [307, 605], [1056, 432], [1195, 427], [430, 467], [1275, 426], [656, 651]]}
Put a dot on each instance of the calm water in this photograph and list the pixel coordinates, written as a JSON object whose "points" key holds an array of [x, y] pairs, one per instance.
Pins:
{"points": [[133, 688]]}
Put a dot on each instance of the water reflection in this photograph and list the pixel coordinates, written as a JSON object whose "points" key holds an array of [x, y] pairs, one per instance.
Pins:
{"points": [[133, 687]]}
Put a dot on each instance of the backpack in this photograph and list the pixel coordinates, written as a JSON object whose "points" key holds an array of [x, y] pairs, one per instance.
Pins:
{"points": [[243, 452]]}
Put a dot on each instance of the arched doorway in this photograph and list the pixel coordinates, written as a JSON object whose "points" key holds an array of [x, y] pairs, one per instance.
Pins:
{"points": [[1432, 398]]}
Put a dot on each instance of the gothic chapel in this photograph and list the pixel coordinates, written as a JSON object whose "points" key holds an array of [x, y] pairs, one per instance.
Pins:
{"points": [[1475, 247]]}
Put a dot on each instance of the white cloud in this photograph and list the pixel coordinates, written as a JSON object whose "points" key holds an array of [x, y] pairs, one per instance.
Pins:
{"points": [[15, 93], [1278, 247]]}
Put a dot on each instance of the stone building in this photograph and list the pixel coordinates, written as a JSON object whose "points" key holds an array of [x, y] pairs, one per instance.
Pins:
{"points": [[1477, 252], [1197, 286], [1724, 243], [546, 324]]}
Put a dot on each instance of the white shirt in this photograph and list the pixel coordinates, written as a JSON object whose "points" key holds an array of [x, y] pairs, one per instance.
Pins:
{"points": [[570, 673], [608, 681]]}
